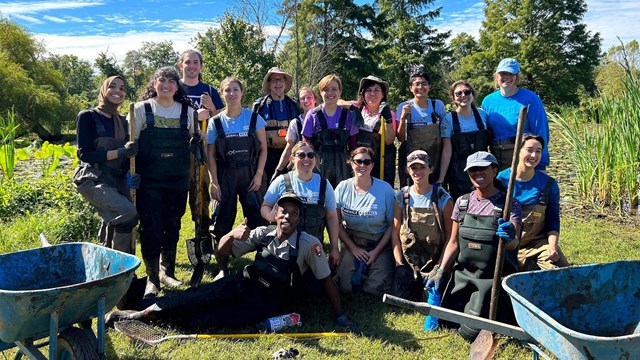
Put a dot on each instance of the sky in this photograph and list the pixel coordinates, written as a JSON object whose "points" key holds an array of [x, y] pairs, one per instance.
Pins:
{"points": [[87, 27]]}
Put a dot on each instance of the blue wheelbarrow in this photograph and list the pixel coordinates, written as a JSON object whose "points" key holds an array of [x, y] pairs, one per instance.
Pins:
{"points": [[45, 291], [577, 313]]}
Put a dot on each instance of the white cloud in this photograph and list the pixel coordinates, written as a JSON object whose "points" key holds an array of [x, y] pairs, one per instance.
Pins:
{"points": [[613, 18], [118, 44], [29, 19], [21, 7], [54, 19]]}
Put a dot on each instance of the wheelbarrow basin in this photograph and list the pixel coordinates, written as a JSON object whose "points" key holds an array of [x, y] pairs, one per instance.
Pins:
{"points": [[581, 312], [69, 278]]}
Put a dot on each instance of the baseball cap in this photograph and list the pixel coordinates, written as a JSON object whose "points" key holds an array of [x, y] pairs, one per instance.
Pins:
{"points": [[418, 157], [480, 158], [289, 196], [509, 65]]}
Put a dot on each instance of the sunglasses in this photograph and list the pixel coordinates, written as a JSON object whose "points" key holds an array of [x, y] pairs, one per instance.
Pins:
{"points": [[420, 157], [302, 155], [365, 162], [466, 92], [478, 168]]}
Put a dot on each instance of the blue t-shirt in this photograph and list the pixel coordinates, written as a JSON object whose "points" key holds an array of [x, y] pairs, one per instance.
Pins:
{"points": [[528, 193], [234, 126], [194, 92], [308, 191], [371, 212], [418, 201], [420, 115], [502, 117], [285, 109], [467, 123]]}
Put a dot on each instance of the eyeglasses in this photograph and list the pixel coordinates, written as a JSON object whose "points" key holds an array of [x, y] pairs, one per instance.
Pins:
{"points": [[365, 162], [421, 157], [466, 92], [419, 84], [302, 155], [373, 91], [277, 80]]}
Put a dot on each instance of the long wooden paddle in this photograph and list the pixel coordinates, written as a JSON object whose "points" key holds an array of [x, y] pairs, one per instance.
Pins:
{"points": [[132, 170], [383, 144], [485, 344]]}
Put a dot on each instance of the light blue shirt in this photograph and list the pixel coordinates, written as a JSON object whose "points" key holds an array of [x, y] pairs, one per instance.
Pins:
{"points": [[308, 191], [234, 126], [420, 115], [467, 123], [371, 212], [418, 201]]}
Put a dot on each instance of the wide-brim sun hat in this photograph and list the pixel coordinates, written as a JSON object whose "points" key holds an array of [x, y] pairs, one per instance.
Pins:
{"points": [[510, 65], [480, 159], [383, 84], [288, 80]]}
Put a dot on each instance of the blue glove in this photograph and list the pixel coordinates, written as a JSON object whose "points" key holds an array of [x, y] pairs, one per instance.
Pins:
{"points": [[506, 230], [133, 181], [343, 322], [359, 274]]}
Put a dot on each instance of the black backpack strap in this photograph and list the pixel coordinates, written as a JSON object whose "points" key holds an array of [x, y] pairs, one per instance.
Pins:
{"points": [[184, 120], [342, 123], [456, 122], [405, 205], [463, 205], [98, 125], [435, 196], [299, 125], [252, 124], [323, 190], [434, 116], [287, 183], [476, 116], [218, 124], [258, 104], [544, 195], [148, 114], [321, 118]]}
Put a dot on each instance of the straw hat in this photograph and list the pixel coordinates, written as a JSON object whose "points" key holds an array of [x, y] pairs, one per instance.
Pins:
{"points": [[288, 80], [383, 84]]}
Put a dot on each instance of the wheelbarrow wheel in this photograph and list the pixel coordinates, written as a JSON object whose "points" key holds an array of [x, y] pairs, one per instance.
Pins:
{"points": [[76, 344]]}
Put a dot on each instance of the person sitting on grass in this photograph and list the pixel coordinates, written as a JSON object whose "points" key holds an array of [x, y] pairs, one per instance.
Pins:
{"points": [[259, 292]]}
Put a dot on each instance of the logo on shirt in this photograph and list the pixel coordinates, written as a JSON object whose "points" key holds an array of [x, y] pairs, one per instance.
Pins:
{"points": [[234, 152]]}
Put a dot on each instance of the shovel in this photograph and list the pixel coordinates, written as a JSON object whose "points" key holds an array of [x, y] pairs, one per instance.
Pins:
{"points": [[197, 252], [485, 344]]}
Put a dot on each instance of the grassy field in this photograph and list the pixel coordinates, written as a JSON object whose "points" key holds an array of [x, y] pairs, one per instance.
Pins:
{"points": [[588, 236]]}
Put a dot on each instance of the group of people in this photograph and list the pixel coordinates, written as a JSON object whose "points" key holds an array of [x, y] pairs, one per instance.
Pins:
{"points": [[312, 168]]}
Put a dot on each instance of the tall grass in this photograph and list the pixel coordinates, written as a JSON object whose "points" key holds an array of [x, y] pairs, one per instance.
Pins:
{"points": [[8, 129], [606, 147]]}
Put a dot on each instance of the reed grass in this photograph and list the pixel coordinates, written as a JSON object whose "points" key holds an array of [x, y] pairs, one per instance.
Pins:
{"points": [[605, 140], [8, 129]]}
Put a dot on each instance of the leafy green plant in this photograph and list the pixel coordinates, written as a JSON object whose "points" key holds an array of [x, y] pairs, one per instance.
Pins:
{"points": [[8, 129], [50, 154]]}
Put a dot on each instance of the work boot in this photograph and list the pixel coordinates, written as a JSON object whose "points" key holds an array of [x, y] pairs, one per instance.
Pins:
{"points": [[168, 268], [153, 278], [223, 264], [122, 242]]}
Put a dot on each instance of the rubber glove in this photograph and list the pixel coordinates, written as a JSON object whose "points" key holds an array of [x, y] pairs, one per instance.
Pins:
{"points": [[343, 322], [506, 231], [129, 150], [434, 278], [133, 181]]}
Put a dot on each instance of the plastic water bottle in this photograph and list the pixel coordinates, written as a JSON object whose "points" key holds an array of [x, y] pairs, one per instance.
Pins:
{"points": [[430, 322], [281, 322]]}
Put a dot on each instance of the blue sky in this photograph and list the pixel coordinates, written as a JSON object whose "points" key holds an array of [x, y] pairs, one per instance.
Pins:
{"points": [[85, 28]]}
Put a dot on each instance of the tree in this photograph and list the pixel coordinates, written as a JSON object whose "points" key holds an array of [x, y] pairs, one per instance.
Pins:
{"points": [[139, 65], [557, 53], [405, 43], [77, 75], [107, 66], [327, 37], [620, 60], [30, 86], [235, 48]]}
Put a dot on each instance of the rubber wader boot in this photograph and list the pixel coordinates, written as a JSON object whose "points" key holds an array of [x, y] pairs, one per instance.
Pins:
{"points": [[168, 268], [122, 242], [153, 278]]}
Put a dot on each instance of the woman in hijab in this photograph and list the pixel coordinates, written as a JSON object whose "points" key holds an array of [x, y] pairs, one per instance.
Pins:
{"points": [[102, 177]]}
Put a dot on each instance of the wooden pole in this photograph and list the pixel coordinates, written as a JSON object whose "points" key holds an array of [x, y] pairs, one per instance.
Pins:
{"points": [[132, 170]]}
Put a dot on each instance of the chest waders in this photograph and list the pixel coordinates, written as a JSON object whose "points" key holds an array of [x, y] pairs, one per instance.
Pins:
{"points": [[163, 158], [276, 129], [422, 235], [503, 151], [313, 215], [277, 276], [332, 148], [423, 136], [463, 145], [473, 272], [373, 140]]}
